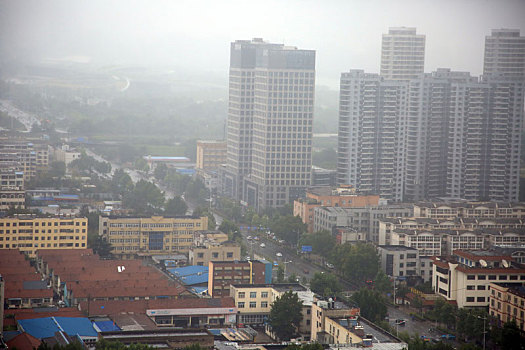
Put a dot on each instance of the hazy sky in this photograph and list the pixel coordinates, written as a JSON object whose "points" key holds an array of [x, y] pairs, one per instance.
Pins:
{"points": [[196, 34]]}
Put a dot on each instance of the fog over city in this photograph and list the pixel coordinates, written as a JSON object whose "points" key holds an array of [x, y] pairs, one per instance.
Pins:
{"points": [[194, 35]]}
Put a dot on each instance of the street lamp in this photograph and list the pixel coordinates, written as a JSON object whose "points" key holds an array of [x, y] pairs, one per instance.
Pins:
{"points": [[484, 333]]}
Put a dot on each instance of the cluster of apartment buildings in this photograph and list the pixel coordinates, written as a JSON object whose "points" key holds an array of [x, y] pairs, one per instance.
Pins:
{"points": [[404, 134]]}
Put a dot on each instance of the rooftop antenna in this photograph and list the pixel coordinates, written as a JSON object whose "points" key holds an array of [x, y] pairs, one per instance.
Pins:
{"points": [[120, 268], [483, 263], [505, 263]]}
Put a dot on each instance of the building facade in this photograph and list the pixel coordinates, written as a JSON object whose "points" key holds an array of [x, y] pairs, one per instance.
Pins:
{"points": [[29, 234], [402, 54], [254, 302], [343, 196], [270, 116], [362, 220], [399, 261], [202, 255], [222, 274], [210, 154], [507, 304], [156, 235], [465, 277], [12, 193], [505, 54]]}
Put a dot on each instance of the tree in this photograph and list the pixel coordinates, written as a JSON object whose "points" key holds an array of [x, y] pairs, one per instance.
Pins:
{"points": [[382, 282], [322, 242], [228, 227], [292, 278], [285, 315], [279, 275], [358, 262], [176, 206], [371, 303], [145, 198], [57, 169], [289, 228], [509, 337], [160, 172], [121, 182], [201, 211], [325, 284]]}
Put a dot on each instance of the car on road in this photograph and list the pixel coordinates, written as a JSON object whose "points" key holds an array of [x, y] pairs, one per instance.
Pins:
{"points": [[400, 322], [279, 254], [448, 336], [330, 266], [263, 245]]}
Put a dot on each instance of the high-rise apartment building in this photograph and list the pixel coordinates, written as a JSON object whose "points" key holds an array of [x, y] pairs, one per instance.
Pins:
{"points": [[371, 133], [442, 134], [270, 115], [505, 54], [402, 54]]}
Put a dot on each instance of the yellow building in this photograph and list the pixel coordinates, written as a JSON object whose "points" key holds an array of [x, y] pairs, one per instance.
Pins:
{"points": [[335, 323], [213, 251], [150, 236], [507, 304], [210, 154], [29, 234], [254, 302]]}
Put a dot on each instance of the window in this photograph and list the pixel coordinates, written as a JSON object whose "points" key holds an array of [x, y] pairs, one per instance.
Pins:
{"points": [[253, 304], [470, 299], [481, 287], [215, 255], [240, 304], [470, 287], [241, 295], [492, 277], [482, 277], [200, 255], [471, 277], [253, 294], [229, 255], [264, 294], [481, 299], [264, 304]]}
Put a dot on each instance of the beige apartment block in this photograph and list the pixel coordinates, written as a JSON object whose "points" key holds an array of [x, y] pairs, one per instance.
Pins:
{"points": [[507, 304], [214, 251], [29, 234], [145, 236]]}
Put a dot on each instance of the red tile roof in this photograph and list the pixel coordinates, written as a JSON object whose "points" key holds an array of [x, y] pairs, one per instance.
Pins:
{"points": [[24, 341], [114, 307]]}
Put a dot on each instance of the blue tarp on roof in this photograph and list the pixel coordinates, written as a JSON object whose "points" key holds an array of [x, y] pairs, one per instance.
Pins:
{"points": [[194, 279], [189, 270], [106, 326], [46, 327]]}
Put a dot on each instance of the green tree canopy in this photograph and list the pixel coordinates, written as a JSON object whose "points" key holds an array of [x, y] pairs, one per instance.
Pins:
{"points": [[322, 242], [325, 284], [371, 303], [160, 172], [121, 182], [285, 315], [145, 198], [289, 228], [175, 206], [359, 261]]}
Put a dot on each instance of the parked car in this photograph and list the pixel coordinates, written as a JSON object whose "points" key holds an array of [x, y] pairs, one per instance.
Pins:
{"points": [[263, 245], [279, 254], [448, 336]]}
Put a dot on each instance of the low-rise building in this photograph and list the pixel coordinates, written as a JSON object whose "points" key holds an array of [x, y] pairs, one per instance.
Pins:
{"points": [[29, 233], [212, 251], [343, 196], [399, 261], [12, 193], [465, 277], [361, 219], [254, 303], [146, 236], [222, 274], [507, 303], [210, 154], [464, 209]]}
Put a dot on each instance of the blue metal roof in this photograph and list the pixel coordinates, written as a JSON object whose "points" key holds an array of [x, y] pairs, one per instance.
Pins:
{"points": [[194, 279], [46, 327], [189, 270], [106, 326]]}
